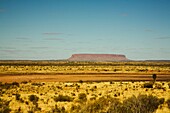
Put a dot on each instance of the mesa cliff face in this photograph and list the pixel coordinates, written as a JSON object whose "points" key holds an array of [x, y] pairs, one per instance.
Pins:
{"points": [[97, 57]]}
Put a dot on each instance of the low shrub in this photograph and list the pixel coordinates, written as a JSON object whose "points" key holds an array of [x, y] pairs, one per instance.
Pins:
{"points": [[4, 106], [57, 109], [168, 102], [100, 105], [37, 84], [33, 98], [158, 86], [81, 81], [148, 85], [161, 100], [63, 98], [9, 85], [17, 96], [24, 82], [141, 104], [15, 84], [82, 97], [169, 85]]}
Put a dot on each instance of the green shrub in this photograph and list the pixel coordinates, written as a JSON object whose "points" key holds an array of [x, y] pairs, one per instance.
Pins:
{"points": [[36, 84], [57, 109], [63, 98], [100, 105], [158, 86], [33, 98], [9, 85], [169, 85], [148, 85], [82, 97], [17, 96], [15, 84], [24, 82], [168, 102], [161, 100], [4, 106], [140, 104], [81, 81], [116, 107]]}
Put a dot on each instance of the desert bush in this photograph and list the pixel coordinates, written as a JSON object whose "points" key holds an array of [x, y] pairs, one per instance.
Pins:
{"points": [[161, 100], [75, 108], [57, 109], [99, 106], [168, 102], [33, 98], [116, 107], [169, 85], [15, 84], [37, 84], [4, 106], [17, 96], [141, 104], [158, 86], [24, 82], [82, 97], [81, 81], [148, 85], [9, 85], [18, 110], [63, 98]]}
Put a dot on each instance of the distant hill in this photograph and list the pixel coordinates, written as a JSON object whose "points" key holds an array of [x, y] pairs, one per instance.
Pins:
{"points": [[98, 57], [157, 60]]}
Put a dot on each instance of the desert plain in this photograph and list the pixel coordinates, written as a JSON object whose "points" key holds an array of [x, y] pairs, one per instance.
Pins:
{"points": [[84, 87]]}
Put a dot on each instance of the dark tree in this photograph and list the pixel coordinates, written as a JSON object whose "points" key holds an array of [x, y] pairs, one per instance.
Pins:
{"points": [[154, 77]]}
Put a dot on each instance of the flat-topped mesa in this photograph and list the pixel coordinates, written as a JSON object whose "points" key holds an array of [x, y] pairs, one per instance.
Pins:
{"points": [[97, 57]]}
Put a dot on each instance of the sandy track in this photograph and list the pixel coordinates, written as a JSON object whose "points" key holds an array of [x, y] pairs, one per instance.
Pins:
{"points": [[72, 78]]}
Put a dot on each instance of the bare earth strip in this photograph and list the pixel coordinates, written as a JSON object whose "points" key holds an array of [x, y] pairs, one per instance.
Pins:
{"points": [[73, 78]]}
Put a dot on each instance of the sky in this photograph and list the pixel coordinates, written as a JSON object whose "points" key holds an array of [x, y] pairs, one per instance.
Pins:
{"points": [[56, 29]]}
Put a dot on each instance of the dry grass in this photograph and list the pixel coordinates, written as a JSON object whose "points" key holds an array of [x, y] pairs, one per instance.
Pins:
{"points": [[74, 87], [47, 68], [74, 78], [73, 94]]}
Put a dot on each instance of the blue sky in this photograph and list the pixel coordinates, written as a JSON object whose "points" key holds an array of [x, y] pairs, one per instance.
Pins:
{"points": [[56, 29]]}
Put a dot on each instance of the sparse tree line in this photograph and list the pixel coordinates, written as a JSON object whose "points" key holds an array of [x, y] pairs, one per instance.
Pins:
{"points": [[80, 63], [12, 69]]}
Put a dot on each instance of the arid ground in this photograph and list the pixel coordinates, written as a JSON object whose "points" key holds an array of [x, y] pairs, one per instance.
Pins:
{"points": [[84, 87], [76, 78]]}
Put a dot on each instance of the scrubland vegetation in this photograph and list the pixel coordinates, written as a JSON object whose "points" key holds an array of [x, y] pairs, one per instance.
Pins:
{"points": [[20, 91], [65, 67], [84, 97]]}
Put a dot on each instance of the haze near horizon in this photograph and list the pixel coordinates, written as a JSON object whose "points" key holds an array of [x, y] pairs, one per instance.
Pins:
{"points": [[56, 29]]}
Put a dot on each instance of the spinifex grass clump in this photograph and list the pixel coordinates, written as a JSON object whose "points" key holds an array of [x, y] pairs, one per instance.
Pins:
{"points": [[63, 98], [148, 85], [168, 102], [139, 104], [33, 98], [82, 97], [4, 106], [101, 105]]}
